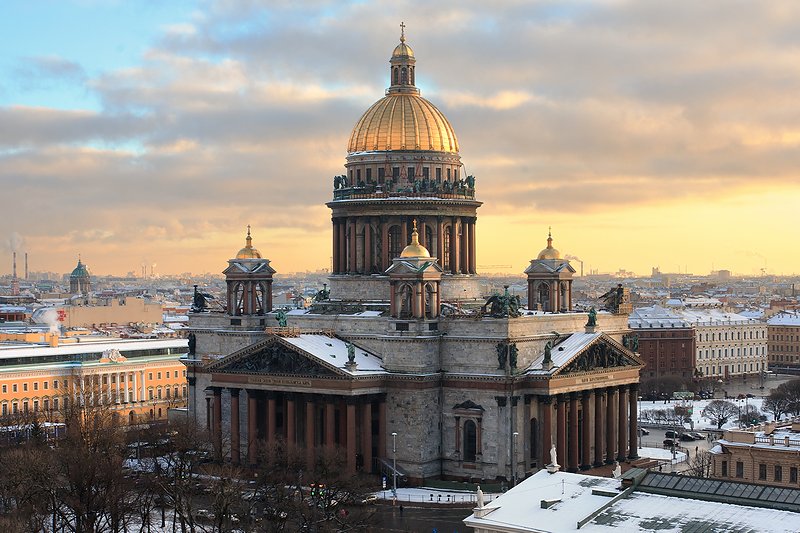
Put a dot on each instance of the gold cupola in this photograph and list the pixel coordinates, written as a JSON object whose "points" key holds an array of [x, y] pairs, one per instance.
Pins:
{"points": [[415, 249], [248, 252], [403, 120], [549, 252]]}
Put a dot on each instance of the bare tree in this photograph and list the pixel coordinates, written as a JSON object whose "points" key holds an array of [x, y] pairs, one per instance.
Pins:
{"points": [[720, 411], [777, 403], [700, 465]]}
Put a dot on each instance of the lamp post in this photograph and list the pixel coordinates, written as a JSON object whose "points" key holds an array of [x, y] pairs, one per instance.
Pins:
{"points": [[394, 466], [514, 459]]}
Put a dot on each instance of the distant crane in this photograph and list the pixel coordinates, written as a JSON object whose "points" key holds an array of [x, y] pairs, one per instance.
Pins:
{"points": [[494, 266]]}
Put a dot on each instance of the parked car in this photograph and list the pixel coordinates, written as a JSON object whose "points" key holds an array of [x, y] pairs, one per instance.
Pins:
{"points": [[645, 431], [669, 443], [697, 436], [686, 436], [370, 499], [672, 434]]}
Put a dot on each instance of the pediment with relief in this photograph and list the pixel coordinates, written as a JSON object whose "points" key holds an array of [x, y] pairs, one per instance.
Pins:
{"points": [[600, 355], [271, 357]]}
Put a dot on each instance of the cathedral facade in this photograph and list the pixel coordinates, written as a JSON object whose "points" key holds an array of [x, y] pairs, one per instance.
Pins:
{"points": [[404, 357]]}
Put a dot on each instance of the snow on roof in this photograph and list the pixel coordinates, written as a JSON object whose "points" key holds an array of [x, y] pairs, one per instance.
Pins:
{"points": [[563, 352], [655, 317], [333, 351], [519, 509], [123, 346], [785, 318]]}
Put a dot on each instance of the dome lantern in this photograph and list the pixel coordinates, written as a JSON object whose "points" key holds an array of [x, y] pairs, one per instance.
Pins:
{"points": [[415, 249], [549, 252], [401, 72]]}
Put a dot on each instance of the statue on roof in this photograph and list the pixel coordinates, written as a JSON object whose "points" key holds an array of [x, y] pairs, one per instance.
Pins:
{"points": [[323, 294], [192, 343], [592, 321], [614, 298], [351, 353], [198, 301], [502, 305], [548, 353], [280, 316]]}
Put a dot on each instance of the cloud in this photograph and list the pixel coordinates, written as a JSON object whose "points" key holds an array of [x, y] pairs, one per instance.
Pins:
{"points": [[242, 112]]}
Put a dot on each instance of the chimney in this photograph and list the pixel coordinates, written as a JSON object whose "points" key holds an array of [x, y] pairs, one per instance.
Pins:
{"points": [[14, 265], [26, 265]]}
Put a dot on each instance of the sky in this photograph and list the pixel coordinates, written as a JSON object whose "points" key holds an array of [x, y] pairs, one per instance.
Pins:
{"points": [[645, 133]]}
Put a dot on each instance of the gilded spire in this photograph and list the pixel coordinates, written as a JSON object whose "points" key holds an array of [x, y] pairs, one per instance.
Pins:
{"points": [[248, 252], [402, 32], [414, 234], [549, 237]]}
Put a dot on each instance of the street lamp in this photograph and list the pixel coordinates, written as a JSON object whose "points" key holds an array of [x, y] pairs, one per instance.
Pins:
{"points": [[394, 466], [514, 459]]}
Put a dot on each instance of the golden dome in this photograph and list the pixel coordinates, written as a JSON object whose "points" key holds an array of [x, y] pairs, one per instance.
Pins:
{"points": [[415, 249], [401, 121], [402, 50], [248, 252], [549, 252]]}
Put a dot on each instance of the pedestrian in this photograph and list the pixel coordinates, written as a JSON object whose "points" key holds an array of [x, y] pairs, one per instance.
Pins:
{"points": [[695, 449], [401, 509]]}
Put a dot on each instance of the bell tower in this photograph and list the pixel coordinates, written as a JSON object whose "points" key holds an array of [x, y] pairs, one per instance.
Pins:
{"points": [[249, 282], [550, 281]]}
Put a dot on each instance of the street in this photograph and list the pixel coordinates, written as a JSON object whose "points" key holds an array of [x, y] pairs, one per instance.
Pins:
{"points": [[442, 519]]}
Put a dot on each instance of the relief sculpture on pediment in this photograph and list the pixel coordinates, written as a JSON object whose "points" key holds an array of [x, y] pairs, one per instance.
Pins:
{"points": [[597, 356], [277, 359]]}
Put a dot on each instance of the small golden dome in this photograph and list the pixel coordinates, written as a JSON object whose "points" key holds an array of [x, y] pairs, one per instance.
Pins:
{"points": [[402, 121], [549, 252], [402, 50], [415, 249], [248, 252]]}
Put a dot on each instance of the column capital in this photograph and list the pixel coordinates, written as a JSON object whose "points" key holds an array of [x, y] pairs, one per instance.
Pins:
{"points": [[562, 398], [573, 396], [586, 394], [634, 387], [234, 391], [547, 400]]}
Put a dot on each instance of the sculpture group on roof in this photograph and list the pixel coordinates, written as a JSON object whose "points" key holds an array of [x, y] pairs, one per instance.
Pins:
{"points": [[502, 305]]}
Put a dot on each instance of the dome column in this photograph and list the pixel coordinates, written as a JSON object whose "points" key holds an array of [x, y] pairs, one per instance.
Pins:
{"points": [[454, 246], [367, 246], [464, 247], [351, 235], [472, 260], [383, 264], [439, 237]]}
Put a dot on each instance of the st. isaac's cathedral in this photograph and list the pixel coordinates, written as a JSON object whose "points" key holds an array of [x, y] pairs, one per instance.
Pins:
{"points": [[403, 352]]}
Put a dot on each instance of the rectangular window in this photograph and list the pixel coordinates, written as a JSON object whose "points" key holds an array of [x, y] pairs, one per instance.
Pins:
{"points": [[439, 174], [5, 389], [46, 404], [55, 383], [425, 173], [762, 471], [150, 394], [46, 385], [25, 406], [5, 409], [395, 173], [150, 375], [159, 375], [15, 408], [793, 474], [36, 385], [176, 373], [724, 468], [739, 469], [24, 387], [381, 174], [369, 175], [35, 406], [448, 174], [778, 473], [14, 387], [410, 173], [55, 404]]}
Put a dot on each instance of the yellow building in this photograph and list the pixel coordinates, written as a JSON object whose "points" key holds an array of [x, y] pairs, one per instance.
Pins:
{"points": [[138, 379], [103, 311]]}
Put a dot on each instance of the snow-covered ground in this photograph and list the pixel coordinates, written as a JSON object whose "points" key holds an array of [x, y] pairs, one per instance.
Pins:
{"points": [[701, 423], [662, 454], [423, 495]]}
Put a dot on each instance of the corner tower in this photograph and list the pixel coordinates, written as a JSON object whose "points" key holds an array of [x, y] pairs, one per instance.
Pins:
{"points": [[403, 163]]}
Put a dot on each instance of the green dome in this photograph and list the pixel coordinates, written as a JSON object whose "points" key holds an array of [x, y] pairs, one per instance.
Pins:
{"points": [[80, 271]]}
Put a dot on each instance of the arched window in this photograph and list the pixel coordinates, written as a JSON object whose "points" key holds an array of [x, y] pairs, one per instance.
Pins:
{"points": [[261, 298], [395, 76], [405, 301], [238, 299], [395, 246], [446, 250], [470, 441], [544, 296], [403, 76], [430, 301], [563, 297]]}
